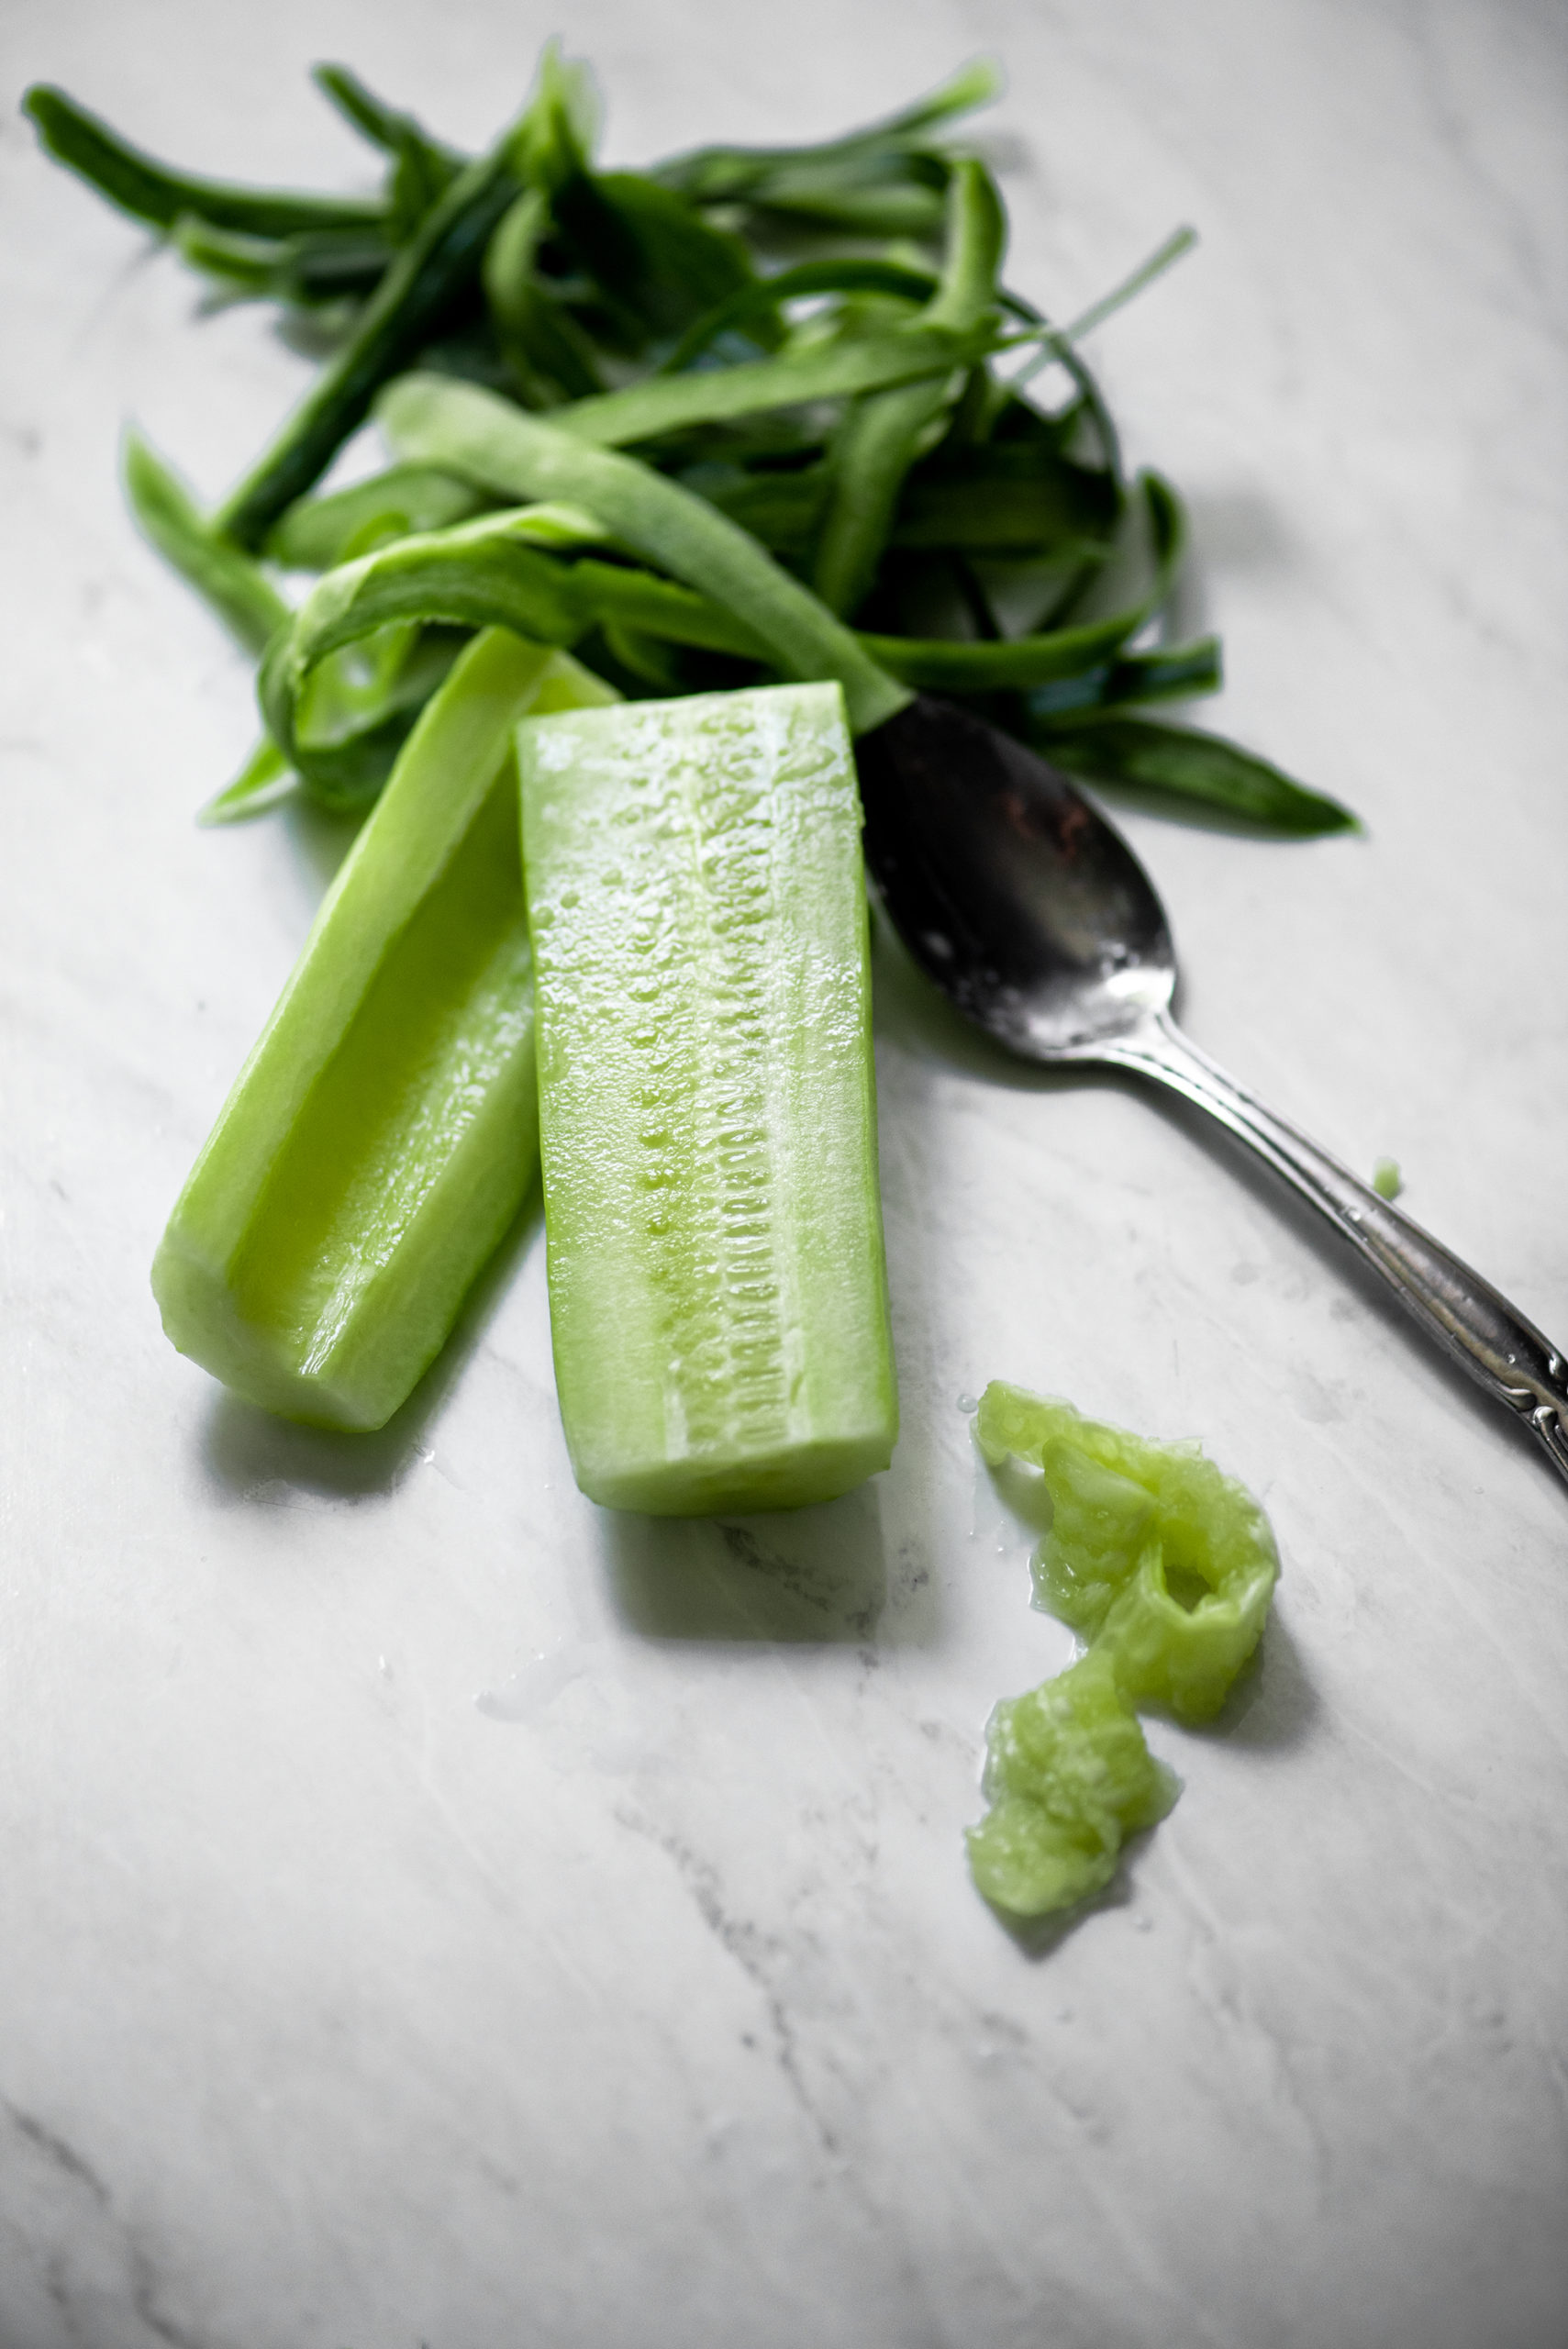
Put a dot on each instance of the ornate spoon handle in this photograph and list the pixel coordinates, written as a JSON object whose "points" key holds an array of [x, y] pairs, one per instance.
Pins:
{"points": [[1501, 1349]]}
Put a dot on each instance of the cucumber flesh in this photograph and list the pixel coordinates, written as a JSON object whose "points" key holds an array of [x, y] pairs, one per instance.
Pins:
{"points": [[718, 1303], [384, 1133], [1166, 1567], [1068, 1774], [1154, 1554]]}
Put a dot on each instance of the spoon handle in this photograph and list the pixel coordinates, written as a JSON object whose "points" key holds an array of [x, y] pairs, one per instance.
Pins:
{"points": [[1501, 1349]]}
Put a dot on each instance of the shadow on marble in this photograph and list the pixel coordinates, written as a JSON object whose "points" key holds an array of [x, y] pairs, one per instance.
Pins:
{"points": [[805, 1576], [319, 840], [1272, 1708], [1230, 531], [1007, 154], [1363, 1289], [1273, 1705], [915, 1017], [253, 1455], [912, 1015], [1038, 1938]]}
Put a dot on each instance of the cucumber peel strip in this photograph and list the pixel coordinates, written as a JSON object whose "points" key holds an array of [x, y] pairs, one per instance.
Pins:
{"points": [[478, 436], [149, 191], [316, 533], [498, 571], [1190, 763], [828, 370], [766, 296], [225, 578], [441, 208], [940, 664], [729, 174], [265, 779], [884, 432], [494, 573], [444, 254]]}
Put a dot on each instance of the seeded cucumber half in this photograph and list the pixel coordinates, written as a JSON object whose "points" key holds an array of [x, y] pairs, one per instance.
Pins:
{"points": [[384, 1133], [717, 1291]]}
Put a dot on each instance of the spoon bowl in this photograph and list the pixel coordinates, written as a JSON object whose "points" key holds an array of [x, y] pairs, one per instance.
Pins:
{"points": [[1029, 911], [1025, 906]]}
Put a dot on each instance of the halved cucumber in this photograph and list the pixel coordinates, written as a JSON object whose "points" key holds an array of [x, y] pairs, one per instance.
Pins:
{"points": [[718, 1304], [384, 1133]]}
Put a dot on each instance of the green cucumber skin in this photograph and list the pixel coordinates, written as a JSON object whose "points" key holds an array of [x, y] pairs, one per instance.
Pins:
{"points": [[718, 1301], [384, 1133]]}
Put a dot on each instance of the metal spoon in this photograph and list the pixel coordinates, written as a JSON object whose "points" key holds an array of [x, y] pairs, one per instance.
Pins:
{"points": [[1032, 915]]}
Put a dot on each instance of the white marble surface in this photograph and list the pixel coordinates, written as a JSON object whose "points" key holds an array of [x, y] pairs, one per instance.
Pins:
{"points": [[434, 1913]]}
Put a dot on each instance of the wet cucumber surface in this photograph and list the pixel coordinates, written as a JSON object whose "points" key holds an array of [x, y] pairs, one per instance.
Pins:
{"points": [[707, 1112]]}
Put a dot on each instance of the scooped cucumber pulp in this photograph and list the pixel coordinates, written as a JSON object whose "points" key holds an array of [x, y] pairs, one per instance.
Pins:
{"points": [[1067, 1776], [384, 1133], [1161, 1561], [717, 1292], [1166, 1567]]}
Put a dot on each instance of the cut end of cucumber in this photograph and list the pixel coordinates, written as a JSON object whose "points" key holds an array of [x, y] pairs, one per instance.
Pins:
{"points": [[709, 1485], [718, 1305], [200, 1320]]}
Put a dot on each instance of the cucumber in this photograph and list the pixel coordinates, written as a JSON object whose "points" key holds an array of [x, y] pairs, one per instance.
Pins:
{"points": [[717, 1291], [384, 1132]]}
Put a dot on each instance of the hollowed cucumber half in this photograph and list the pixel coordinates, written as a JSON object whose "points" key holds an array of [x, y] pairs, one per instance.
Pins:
{"points": [[384, 1133]]}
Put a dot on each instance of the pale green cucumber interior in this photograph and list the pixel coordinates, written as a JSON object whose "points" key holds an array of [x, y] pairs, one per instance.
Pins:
{"points": [[735, 1481], [411, 1152], [332, 1227], [718, 1295], [399, 1174]]}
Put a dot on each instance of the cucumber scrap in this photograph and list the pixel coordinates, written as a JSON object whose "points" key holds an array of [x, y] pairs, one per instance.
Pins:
{"points": [[1166, 1567], [718, 1292], [1068, 1774], [382, 1134]]}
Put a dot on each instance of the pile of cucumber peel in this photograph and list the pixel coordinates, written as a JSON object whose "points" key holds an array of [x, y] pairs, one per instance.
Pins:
{"points": [[813, 346], [687, 477]]}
